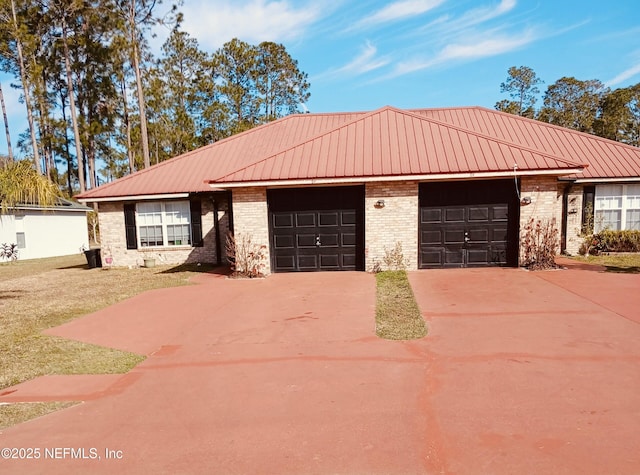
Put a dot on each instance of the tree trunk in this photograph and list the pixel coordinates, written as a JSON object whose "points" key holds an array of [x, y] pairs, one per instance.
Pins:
{"points": [[27, 93], [6, 125], [66, 143], [127, 126], [72, 109], [144, 137]]}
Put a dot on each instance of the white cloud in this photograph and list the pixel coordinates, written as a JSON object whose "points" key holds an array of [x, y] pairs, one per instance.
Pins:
{"points": [[470, 18], [465, 51], [214, 23], [624, 75], [397, 11], [366, 61]]}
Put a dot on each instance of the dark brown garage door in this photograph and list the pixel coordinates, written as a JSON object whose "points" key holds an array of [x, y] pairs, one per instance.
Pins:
{"points": [[316, 229], [468, 224]]}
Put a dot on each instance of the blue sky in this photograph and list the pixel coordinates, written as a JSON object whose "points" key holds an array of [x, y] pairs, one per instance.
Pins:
{"points": [[364, 54]]}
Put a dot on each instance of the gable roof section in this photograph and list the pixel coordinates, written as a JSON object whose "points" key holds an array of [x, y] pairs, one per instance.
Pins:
{"points": [[390, 142], [606, 158]]}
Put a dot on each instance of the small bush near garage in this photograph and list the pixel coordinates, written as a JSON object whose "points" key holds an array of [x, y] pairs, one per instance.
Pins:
{"points": [[397, 314], [540, 244], [611, 241], [246, 258]]}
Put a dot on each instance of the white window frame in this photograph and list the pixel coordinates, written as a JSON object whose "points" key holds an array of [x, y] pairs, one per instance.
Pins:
{"points": [[616, 198], [164, 220]]}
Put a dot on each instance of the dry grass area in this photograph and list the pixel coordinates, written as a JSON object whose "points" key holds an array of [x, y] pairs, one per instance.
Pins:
{"points": [[397, 314], [43, 293], [625, 263], [12, 414]]}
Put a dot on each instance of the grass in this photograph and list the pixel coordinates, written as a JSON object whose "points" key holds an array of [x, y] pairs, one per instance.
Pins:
{"points": [[397, 314], [12, 414], [44, 293], [622, 263]]}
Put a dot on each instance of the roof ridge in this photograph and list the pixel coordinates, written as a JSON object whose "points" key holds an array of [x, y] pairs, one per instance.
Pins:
{"points": [[490, 138], [404, 112], [553, 126], [302, 142]]}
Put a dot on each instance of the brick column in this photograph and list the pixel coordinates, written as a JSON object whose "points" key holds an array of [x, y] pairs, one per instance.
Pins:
{"points": [[250, 217], [397, 221]]}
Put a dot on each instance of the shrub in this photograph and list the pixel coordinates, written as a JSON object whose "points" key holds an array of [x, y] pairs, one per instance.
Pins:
{"points": [[246, 258], [394, 258], [8, 252], [611, 241], [540, 244]]}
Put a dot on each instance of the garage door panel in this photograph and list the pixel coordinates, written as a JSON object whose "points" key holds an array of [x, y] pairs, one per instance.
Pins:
{"points": [[284, 241], [305, 220], [349, 261], [453, 236], [473, 223], [501, 213], [348, 218], [306, 240], [479, 214], [478, 256], [431, 237], [454, 257], [318, 228], [454, 215], [331, 261], [283, 220], [431, 215], [328, 219], [479, 235], [286, 262], [349, 239], [307, 261], [330, 240], [499, 234]]}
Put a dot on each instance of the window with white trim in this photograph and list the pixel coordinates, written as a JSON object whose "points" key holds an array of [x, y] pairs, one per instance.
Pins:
{"points": [[617, 207], [163, 223]]}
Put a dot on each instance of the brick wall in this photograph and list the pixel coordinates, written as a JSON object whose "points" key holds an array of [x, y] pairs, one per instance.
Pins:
{"points": [[113, 238], [250, 218], [546, 201], [397, 221], [574, 219]]}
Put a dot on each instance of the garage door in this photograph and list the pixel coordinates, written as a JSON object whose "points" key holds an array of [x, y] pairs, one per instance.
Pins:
{"points": [[468, 224], [316, 229]]}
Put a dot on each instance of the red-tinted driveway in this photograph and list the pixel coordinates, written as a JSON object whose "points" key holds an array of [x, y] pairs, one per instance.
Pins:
{"points": [[521, 373]]}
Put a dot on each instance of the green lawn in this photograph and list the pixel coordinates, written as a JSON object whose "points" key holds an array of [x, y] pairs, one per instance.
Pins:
{"points": [[625, 263], [397, 314]]}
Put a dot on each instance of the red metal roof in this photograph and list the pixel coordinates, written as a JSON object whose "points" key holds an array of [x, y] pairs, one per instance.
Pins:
{"points": [[392, 142], [385, 142], [606, 158]]}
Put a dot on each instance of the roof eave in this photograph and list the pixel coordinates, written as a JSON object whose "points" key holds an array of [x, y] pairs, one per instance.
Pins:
{"points": [[159, 196], [608, 180], [372, 179]]}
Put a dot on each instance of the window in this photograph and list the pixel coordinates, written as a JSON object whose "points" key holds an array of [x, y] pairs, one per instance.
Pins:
{"points": [[617, 207], [20, 240], [164, 224]]}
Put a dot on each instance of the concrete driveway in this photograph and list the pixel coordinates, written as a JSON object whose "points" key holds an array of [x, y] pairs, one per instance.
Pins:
{"points": [[521, 373]]}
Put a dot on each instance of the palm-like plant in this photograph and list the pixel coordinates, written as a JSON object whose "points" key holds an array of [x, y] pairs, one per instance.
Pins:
{"points": [[20, 183]]}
